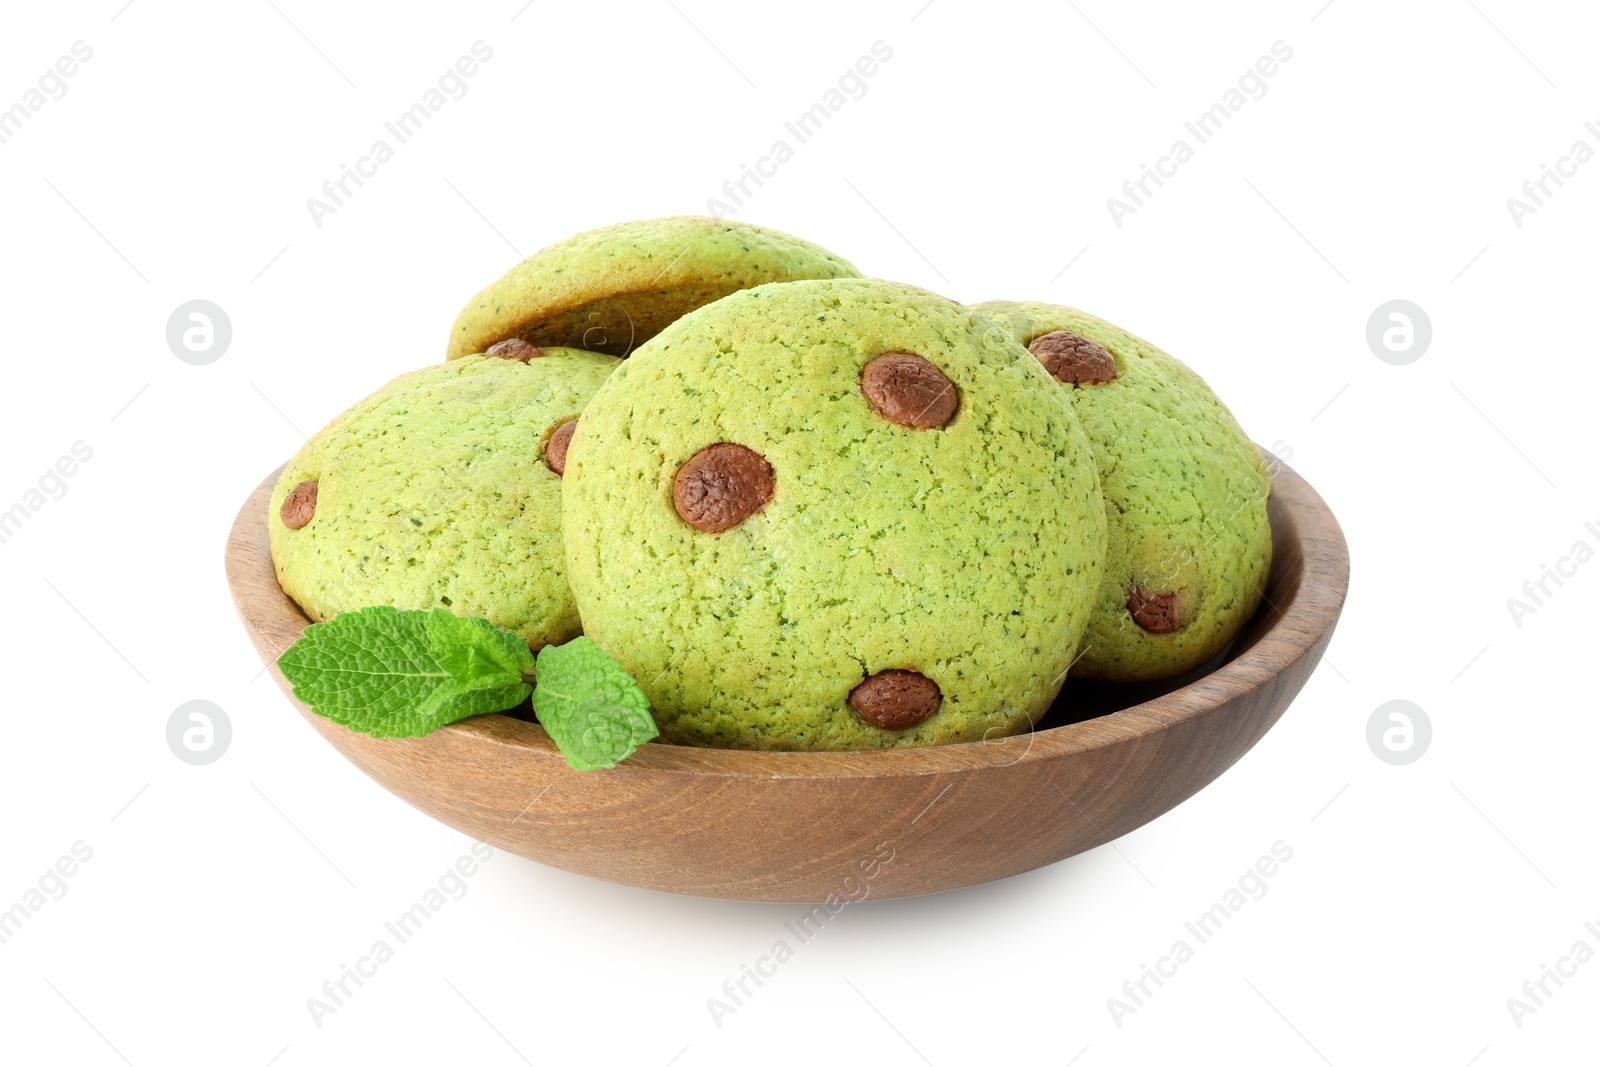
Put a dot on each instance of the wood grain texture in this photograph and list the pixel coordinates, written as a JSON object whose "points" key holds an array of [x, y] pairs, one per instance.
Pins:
{"points": [[791, 826]]}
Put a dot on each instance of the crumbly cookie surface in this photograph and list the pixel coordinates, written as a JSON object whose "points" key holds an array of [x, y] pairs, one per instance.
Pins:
{"points": [[610, 290], [1189, 546], [852, 541], [434, 492]]}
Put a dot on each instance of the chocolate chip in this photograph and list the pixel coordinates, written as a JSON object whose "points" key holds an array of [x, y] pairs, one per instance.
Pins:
{"points": [[514, 348], [555, 449], [1073, 359], [301, 503], [909, 390], [721, 486], [896, 699], [1157, 613]]}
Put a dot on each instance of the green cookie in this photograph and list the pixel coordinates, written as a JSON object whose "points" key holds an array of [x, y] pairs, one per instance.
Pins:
{"points": [[835, 515], [1188, 546], [611, 290], [435, 491]]}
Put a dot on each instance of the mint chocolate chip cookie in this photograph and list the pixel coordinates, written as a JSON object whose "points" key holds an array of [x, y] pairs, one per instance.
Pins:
{"points": [[1188, 546], [442, 489], [611, 290], [840, 514]]}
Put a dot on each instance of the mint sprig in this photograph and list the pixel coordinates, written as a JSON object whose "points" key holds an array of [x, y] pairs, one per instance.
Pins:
{"points": [[392, 673]]}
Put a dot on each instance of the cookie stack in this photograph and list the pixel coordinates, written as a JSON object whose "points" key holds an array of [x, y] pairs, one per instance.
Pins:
{"points": [[807, 510]]}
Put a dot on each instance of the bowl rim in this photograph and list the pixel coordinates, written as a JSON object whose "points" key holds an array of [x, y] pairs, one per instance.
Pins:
{"points": [[1302, 625]]}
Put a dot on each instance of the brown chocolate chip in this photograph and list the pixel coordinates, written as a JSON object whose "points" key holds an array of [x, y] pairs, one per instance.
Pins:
{"points": [[721, 486], [514, 348], [301, 503], [555, 449], [909, 390], [1073, 359], [896, 699], [1157, 613]]}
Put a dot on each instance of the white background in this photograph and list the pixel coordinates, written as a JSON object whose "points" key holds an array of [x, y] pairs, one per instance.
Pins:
{"points": [[978, 163]]}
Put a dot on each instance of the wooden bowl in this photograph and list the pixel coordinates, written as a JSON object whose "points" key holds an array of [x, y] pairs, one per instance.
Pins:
{"points": [[799, 826]]}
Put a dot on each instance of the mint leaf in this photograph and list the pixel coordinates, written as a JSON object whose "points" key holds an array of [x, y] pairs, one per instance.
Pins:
{"points": [[590, 705], [393, 673], [478, 654], [389, 673]]}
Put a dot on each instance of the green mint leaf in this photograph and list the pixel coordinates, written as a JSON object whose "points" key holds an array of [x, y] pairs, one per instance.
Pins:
{"points": [[591, 707], [478, 654], [384, 672]]}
